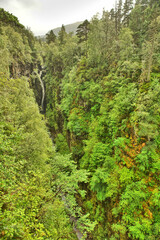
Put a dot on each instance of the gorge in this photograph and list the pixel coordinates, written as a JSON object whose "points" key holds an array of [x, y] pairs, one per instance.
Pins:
{"points": [[80, 128]]}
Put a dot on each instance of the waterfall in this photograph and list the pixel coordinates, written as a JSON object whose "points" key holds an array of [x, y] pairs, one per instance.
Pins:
{"points": [[39, 75], [43, 90]]}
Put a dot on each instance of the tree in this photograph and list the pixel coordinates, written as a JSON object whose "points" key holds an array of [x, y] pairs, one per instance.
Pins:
{"points": [[149, 49], [126, 45], [62, 35], [119, 15], [50, 37], [82, 31], [127, 7]]}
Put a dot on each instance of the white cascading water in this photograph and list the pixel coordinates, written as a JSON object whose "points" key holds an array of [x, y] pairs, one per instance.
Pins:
{"points": [[43, 89], [39, 75]]}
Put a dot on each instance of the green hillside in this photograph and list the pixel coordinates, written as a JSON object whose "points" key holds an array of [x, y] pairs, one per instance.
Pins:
{"points": [[69, 28]]}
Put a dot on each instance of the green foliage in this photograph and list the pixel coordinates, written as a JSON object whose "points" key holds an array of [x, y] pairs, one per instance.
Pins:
{"points": [[10, 19], [102, 92], [61, 144], [126, 46], [4, 55], [26, 156], [61, 35], [50, 37], [77, 123], [82, 31]]}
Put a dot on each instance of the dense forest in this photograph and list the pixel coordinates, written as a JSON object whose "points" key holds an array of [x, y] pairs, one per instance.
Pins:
{"points": [[80, 128]]}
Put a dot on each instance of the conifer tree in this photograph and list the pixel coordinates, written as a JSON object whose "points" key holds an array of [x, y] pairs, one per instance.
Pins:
{"points": [[119, 15], [61, 35], [82, 31], [127, 7], [50, 37]]}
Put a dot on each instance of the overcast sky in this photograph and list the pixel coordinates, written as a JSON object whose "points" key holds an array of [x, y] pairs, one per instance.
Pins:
{"points": [[43, 15]]}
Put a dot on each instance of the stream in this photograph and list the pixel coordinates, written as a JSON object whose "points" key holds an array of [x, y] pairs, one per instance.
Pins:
{"points": [[73, 220]]}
